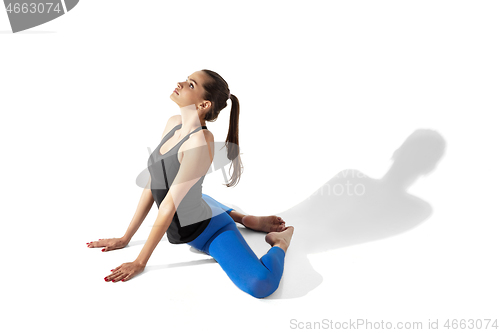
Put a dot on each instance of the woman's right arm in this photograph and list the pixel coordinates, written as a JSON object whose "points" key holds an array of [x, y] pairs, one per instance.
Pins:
{"points": [[141, 212]]}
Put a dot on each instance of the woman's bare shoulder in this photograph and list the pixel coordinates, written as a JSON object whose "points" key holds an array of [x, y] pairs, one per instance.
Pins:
{"points": [[201, 138], [208, 135]]}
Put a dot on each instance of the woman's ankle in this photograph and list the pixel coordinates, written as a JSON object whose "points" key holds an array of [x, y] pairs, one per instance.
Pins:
{"points": [[281, 244]]}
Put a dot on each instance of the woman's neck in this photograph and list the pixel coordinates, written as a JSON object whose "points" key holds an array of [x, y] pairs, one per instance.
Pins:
{"points": [[190, 119]]}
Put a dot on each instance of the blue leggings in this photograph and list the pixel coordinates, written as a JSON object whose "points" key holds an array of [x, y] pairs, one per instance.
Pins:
{"points": [[223, 241]]}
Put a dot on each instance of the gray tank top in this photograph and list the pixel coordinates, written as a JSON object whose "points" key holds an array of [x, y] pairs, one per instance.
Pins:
{"points": [[193, 214]]}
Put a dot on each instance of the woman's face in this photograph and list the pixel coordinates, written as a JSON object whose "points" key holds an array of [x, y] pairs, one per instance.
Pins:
{"points": [[190, 91]]}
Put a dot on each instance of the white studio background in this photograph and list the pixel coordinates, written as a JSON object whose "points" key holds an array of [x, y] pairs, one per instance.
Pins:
{"points": [[323, 86]]}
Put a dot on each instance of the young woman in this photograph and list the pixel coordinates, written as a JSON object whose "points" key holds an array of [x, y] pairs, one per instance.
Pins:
{"points": [[177, 168]]}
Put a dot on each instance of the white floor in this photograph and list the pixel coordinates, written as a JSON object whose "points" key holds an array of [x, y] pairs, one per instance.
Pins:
{"points": [[328, 93]]}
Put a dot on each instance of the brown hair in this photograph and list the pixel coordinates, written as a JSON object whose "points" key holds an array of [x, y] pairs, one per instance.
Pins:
{"points": [[217, 92]]}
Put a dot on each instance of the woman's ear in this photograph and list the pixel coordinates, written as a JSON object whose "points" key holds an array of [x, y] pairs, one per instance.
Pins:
{"points": [[206, 105]]}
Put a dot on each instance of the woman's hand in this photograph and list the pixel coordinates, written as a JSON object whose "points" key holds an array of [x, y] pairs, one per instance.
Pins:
{"points": [[125, 272], [109, 244]]}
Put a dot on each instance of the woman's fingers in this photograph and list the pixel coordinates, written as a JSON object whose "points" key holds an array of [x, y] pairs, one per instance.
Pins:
{"points": [[112, 277], [116, 277], [124, 272], [108, 244], [115, 274], [120, 276], [98, 243]]}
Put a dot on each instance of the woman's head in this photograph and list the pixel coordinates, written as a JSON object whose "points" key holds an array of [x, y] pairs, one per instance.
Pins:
{"points": [[209, 92], [205, 89], [192, 92]]}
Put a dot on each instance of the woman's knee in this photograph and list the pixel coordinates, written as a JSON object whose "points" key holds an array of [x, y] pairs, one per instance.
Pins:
{"points": [[263, 284]]}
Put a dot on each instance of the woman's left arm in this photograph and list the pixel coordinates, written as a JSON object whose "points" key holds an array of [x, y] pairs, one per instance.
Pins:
{"points": [[195, 164]]}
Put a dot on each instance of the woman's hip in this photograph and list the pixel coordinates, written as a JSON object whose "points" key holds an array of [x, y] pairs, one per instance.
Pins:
{"points": [[220, 219]]}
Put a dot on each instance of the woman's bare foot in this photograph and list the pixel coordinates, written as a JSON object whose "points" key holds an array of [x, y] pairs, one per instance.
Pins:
{"points": [[281, 238], [263, 223]]}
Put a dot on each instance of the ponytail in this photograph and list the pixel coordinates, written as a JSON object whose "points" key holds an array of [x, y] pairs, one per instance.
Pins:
{"points": [[233, 150], [217, 91]]}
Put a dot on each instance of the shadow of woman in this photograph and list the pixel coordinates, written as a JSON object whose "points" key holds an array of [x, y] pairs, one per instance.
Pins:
{"points": [[352, 208]]}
